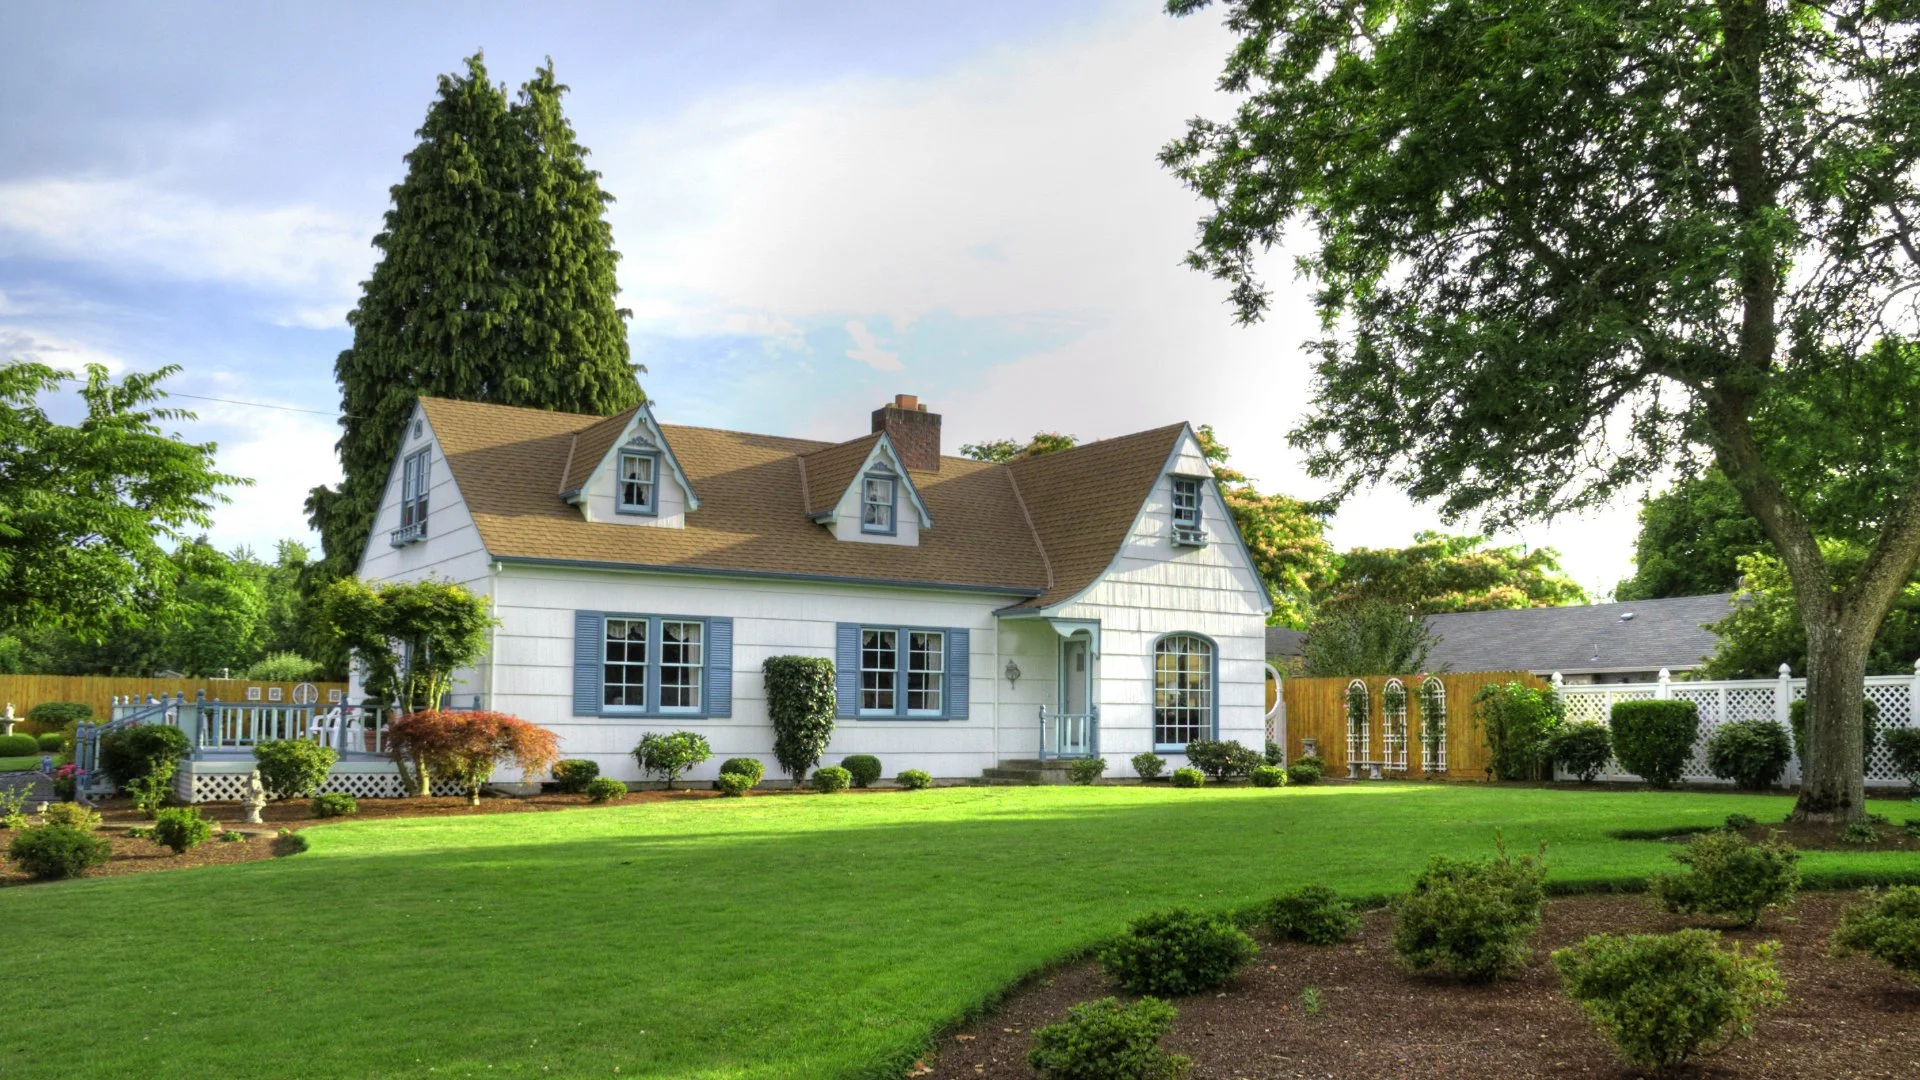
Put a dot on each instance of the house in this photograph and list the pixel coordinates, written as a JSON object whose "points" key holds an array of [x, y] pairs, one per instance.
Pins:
{"points": [[1586, 643], [1093, 601]]}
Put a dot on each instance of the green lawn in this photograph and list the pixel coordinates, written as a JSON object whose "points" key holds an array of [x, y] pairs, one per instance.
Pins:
{"points": [[767, 937], [19, 764]]}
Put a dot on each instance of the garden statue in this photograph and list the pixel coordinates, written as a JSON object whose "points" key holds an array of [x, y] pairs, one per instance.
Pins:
{"points": [[256, 799], [6, 720]]}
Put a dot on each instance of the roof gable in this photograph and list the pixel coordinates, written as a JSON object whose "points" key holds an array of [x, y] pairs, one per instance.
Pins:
{"points": [[593, 448], [831, 474]]}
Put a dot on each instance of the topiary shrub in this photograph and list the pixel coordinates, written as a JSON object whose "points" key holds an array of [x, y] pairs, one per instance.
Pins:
{"points": [[1663, 998], [1172, 953], [1303, 772], [292, 767], [864, 768], [1086, 770], [1313, 914], [733, 784], [1149, 766], [751, 768], [1222, 760], [571, 777], [1276, 754], [1727, 874], [1583, 748], [605, 789], [1187, 776], [1903, 746], [1885, 926], [71, 814], [1268, 776], [831, 779], [56, 716], [181, 828], [915, 779], [1470, 918], [19, 745], [1106, 1040], [331, 804], [1869, 724], [800, 705], [1654, 739], [1751, 753], [52, 852], [52, 742], [132, 753], [1516, 721], [671, 754]]}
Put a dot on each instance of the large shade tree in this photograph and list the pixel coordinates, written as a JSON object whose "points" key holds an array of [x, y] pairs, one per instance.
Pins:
{"points": [[1692, 538], [1559, 247]]}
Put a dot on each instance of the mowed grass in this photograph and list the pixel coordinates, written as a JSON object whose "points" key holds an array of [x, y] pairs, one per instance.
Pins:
{"points": [[788, 937], [19, 764]]}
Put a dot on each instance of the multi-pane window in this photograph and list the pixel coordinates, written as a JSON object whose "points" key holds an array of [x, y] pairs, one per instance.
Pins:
{"points": [[416, 478], [879, 669], [876, 504], [681, 661], [926, 670], [1183, 689], [637, 482], [624, 676], [1186, 502]]}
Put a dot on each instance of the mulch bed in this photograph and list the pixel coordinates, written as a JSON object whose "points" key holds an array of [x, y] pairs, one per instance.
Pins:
{"points": [[131, 856], [1843, 1018], [1805, 837]]}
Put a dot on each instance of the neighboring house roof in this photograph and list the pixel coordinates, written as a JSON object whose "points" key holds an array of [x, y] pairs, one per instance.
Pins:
{"points": [[1643, 635], [1284, 643], [993, 533]]}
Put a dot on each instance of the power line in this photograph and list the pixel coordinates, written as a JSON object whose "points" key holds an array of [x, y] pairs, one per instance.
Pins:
{"points": [[254, 404]]}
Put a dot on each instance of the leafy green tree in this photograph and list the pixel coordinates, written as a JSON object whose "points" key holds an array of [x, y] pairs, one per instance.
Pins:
{"points": [[1368, 637], [1562, 248], [1692, 537], [1285, 535], [1002, 451], [1764, 629], [495, 283], [1438, 572]]}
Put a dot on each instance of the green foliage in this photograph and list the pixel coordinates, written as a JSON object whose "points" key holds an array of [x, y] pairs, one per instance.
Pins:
{"points": [[284, 666], [1654, 739], [1664, 998], [1729, 875], [1106, 1040], [1368, 637], [1222, 760], [52, 852], [1859, 833], [831, 779], [1314, 914], [751, 768], [1086, 770], [1583, 748], [864, 768], [1751, 753], [293, 767], [1440, 573], [1188, 777], [52, 742], [19, 746], [73, 815], [734, 784], [154, 790], [603, 789], [1003, 451], [571, 777], [1518, 723], [1470, 918], [1275, 753], [181, 828], [410, 638], [1692, 538], [1739, 822], [1869, 727], [1885, 926], [332, 804], [1268, 776], [800, 705], [52, 716], [1766, 628], [1304, 772], [133, 753], [1177, 952], [1903, 746], [671, 754], [915, 779], [1149, 766]]}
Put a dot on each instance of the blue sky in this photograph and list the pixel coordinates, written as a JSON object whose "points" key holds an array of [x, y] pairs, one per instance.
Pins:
{"points": [[819, 205]]}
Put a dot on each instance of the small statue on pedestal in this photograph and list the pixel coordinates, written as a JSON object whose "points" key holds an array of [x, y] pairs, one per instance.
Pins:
{"points": [[256, 799], [6, 720]]}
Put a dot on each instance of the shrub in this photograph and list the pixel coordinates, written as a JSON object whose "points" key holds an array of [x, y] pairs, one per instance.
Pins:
{"points": [[1149, 766], [154, 790], [1582, 748], [13, 820], [915, 779], [1729, 875], [671, 754], [1860, 832], [1869, 721], [467, 745], [1516, 721], [51, 852], [52, 742], [291, 767], [283, 667], [800, 705], [1662, 998], [864, 768], [1751, 753], [734, 784], [751, 768], [329, 804], [1470, 918], [1086, 770], [1268, 776], [571, 777], [1172, 953], [1276, 754], [1303, 772], [1187, 776], [135, 752], [1313, 914], [1885, 926], [19, 745], [1106, 1040], [1738, 822], [831, 779], [1222, 760], [71, 814], [603, 789], [1903, 746], [1654, 739], [181, 828], [57, 716]]}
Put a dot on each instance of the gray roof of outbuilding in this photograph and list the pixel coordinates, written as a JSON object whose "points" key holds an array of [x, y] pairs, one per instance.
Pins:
{"points": [[1642, 635], [1283, 643]]}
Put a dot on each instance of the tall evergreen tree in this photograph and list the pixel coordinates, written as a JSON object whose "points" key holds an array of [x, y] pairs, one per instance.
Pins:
{"points": [[495, 283]]}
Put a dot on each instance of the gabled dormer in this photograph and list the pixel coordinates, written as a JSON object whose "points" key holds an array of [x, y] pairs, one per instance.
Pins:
{"points": [[861, 491], [622, 470], [1194, 513]]}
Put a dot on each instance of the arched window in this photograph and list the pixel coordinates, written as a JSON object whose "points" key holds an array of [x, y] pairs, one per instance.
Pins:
{"points": [[1393, 733], [1184, 677], [1359, 723], [1433, 725]]}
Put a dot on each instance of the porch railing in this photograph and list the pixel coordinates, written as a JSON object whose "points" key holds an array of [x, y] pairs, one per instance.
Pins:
{"points": [[1069, 735]]}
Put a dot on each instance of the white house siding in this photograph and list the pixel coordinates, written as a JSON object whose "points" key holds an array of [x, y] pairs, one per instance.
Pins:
{"points": [[534, 651], [600, 502], [849, 510]]}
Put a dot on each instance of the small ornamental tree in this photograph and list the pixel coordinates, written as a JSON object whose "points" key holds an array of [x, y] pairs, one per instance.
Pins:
{"points": [[1518, 723], [800, 704], [671, 754], [469, 746]]}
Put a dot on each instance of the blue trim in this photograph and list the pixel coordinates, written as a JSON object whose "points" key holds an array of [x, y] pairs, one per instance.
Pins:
{"points": [[1213, 685], [597, 621], [620, 504], [846, 670], [769, 575], [892, 528], [902, 653]]}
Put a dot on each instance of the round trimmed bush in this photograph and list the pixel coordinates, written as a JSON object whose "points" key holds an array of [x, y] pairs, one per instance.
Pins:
{"points": [[57, 715], [863, 768], [1086, 770], [1662, 998], [831, 779], [733, 784], [1188, 776], [571, 777], [1470, 918], [1886, 927], [1727, 874], [1583, 748], [602, 789], [1751, 753], [1314, 914], [1106, 1040], [915, 779], [1222, 760], [1149, 766], [1654, 739], [19, 745], [1172, 953], [1268, 776], [1304, 772], [52, 742], [181, 828], [52, 852], [751, 768], [331, 804], [293, 767]]}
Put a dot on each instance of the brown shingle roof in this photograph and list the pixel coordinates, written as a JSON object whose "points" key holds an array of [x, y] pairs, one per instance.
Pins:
{"points": [[1083, 502], [589, 448], [830, 471]]}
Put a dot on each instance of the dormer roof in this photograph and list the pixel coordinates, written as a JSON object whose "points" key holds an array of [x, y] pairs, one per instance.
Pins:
{"points": [[592, 448], [828, 475]]}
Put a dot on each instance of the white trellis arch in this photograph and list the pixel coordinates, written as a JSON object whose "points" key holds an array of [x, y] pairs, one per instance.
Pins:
{"points": [[1393, 726], [1433, 724], [1359, 726]]}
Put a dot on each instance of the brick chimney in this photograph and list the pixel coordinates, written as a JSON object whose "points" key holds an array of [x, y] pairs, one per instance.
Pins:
{"points": [[914, 432]]}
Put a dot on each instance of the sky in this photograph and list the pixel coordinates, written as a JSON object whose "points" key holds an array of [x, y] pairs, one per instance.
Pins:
{"points": [[818, 206]]}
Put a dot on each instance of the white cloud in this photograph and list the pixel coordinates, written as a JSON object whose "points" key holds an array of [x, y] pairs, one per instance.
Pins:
{"points": [[867, 350], [285, 453], [53, 349]]}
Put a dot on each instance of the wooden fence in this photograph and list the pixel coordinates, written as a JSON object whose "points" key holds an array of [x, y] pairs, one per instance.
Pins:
{"points": [[1316, 709], [97, 692]]}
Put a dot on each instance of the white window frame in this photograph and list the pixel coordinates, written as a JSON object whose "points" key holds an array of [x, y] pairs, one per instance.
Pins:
{"points": [[868, 504], [1180, 699], [1186, 502], [938, 671], [651, 485], [695, 670], [416, 482], [626, 663], [889, 672]]}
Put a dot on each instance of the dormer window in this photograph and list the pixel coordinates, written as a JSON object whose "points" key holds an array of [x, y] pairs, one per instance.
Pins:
{"points": [[1186, 512], [877, 509], [416, 479], [638, 486]]}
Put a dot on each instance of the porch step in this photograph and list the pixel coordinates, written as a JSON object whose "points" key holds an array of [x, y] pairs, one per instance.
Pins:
{"points": [[1026, 771]]}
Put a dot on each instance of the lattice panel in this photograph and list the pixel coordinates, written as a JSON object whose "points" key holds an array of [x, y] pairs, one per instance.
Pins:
{"points": [[1896, 711], [1393, 722], [232, 787], [1710, 702]]}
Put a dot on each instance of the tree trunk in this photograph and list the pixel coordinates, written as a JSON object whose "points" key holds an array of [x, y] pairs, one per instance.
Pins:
{"points": [[1833, 770]]}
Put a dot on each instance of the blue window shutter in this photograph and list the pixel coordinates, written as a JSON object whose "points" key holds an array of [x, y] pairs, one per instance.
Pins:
{"points": [[846, 669], [589, 635], [957, 671], [719, 667]]}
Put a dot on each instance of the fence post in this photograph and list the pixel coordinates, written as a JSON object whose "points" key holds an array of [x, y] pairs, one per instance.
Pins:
{"points": [[1913, 697], [1665, 690], [1783, 696]]}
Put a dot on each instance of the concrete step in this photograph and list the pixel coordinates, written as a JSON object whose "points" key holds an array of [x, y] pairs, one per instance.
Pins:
{"points": [[1026, 771]]}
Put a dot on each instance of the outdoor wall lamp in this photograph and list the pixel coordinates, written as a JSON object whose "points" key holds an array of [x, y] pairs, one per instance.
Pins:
{"points": [[1012, 673]]}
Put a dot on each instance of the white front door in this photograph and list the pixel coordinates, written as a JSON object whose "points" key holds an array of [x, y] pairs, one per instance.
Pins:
{"points": [[1075, 677]]}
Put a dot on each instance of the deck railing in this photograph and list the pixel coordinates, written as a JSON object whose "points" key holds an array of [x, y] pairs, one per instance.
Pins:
{"points": [[1069, 735], [214, 726]]}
